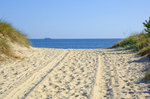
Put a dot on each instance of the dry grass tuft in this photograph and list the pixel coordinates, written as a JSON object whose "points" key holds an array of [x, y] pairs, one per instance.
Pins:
{"points": [[10, 34]]}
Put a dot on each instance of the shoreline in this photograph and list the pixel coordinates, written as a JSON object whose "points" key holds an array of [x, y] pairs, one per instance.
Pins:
{"points": [[74, 73]]}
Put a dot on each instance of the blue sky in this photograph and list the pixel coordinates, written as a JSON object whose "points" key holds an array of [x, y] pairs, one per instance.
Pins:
{"points": [[76, 18]]}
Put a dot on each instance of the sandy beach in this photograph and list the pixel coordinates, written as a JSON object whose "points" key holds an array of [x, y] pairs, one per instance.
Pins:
{"points": [[74, 74]]}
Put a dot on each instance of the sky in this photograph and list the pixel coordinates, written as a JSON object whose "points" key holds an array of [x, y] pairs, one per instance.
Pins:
{"points": [[76, 18]]}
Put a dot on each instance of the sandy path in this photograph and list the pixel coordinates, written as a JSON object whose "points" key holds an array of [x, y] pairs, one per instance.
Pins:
{"points": [[73, 78], [75, 74]]}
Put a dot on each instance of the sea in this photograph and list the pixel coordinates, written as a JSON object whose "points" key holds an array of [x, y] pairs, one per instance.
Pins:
{"points": [[73, 43]]}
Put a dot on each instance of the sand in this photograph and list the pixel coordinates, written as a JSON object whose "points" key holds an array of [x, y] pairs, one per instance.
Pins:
{"points": [[74, 74]]}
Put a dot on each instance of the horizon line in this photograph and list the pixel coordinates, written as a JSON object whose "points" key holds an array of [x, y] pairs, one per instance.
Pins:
{"points": [[75, 38]]}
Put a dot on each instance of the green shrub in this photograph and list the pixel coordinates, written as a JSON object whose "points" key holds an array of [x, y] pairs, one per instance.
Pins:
{"points": [[147, 25]]}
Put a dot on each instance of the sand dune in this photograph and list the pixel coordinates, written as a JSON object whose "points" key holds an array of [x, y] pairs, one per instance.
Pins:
{"points": [[74, 74]]}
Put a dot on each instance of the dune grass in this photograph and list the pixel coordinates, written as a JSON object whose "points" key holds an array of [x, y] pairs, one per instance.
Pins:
{"points": [[4, 47], [144, 51], [139, 43], [135, 42], [10, 34]]}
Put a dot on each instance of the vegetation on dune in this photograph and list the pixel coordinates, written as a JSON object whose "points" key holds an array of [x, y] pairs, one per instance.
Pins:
{"points": [[139, 43], [144, 51], [10, 34], [135, 42], [4, 47]]}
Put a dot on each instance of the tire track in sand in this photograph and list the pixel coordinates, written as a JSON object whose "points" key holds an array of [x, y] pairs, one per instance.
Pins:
{"points": [[23, 90], [96, 90], [26, 75]]}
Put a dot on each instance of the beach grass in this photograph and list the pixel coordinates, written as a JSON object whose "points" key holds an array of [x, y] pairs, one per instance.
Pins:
{"points": [[135, 42], [138, 42], [10, 34], [144, 51], [4, 47]]}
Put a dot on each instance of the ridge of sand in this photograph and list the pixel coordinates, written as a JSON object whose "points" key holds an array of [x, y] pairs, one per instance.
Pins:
{"points": [[97, 85], [74, 74]]}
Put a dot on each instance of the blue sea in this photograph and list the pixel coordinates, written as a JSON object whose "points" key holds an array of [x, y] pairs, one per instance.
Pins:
{"points": [[74, 43]]}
